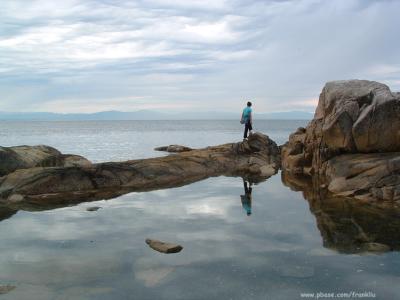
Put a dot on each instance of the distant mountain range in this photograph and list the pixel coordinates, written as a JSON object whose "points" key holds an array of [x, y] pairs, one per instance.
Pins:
{"points": [[148, 115]]}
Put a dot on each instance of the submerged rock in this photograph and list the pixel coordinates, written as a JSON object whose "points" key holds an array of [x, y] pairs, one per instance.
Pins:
{"points": [[164, 247], [173, 148], [93, 208], [257, 157], [353, 142]]}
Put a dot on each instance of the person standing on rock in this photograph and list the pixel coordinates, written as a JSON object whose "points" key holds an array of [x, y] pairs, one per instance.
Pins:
{"points": [[247, 120]]}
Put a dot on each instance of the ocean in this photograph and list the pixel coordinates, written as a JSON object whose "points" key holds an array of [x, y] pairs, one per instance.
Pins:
{"points": [[122, 140], [280, 251]]}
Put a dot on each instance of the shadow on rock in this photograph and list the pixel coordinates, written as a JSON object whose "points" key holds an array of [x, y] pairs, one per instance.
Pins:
{"points": [[346, 224]]}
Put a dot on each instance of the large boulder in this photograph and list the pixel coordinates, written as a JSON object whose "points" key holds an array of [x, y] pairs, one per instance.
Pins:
{"points": [[353, 118], [25, 157], [359, 116]]}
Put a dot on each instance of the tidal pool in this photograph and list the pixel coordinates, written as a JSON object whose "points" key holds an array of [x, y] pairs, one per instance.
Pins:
{"points": [[279, 251], [292, 242]]}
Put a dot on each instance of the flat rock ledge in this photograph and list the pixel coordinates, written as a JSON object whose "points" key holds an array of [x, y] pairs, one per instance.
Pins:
{"points": [[353, 143], [257, 157]]}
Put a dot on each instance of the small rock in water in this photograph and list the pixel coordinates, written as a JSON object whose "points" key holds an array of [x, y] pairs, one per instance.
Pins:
{"points": [[4, 289], [173, 148], [93, 208], [163, 247]]}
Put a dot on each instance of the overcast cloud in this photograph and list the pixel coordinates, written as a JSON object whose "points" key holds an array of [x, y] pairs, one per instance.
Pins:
{"points": [[94, 55]]}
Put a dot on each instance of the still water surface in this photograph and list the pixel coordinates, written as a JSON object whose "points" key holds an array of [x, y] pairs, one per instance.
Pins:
{"points": [[275, 253]]}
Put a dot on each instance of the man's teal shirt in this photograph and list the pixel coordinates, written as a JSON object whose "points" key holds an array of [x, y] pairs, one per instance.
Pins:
{"points": [[246, 113]]}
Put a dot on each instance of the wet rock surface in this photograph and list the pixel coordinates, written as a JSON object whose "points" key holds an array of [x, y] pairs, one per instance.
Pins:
{"points": [[39, 187], [164, 247], [353, 142]]}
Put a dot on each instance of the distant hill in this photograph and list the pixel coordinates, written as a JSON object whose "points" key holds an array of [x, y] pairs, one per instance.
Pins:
{"points": [[149, 115]]}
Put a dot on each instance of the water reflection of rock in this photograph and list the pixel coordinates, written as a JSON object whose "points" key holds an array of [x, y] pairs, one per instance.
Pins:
{"points": [[9, 209], [349, 225], [6, 212]]}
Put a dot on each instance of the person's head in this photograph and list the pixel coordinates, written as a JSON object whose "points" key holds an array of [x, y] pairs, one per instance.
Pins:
{"points": [[249, 104]]}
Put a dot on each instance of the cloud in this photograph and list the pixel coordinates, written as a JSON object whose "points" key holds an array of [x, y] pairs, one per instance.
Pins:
{"points": [[279, 53]]}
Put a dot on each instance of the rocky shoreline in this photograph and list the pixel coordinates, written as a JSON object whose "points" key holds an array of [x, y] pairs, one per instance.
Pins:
{"points": [[63, 184], [346, 162], [351, 148]]}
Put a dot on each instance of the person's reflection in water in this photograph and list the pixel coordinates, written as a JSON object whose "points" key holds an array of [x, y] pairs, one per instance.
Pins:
{"points": [[246, 198]]}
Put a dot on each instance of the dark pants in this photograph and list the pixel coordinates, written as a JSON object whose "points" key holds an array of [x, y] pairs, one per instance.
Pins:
{"points": [[247, 127]]}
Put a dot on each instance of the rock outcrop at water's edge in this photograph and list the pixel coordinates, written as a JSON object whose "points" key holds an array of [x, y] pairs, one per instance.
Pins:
{"points": [[353, 142], [39, 186], [25, 157]]}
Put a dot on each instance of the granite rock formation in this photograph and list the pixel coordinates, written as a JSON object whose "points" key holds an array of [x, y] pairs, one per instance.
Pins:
{"points": [[25, 157], [258, 157], [353, 142]]}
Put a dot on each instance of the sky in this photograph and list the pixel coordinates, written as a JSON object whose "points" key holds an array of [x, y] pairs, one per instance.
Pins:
{"points": [[190, 55]]}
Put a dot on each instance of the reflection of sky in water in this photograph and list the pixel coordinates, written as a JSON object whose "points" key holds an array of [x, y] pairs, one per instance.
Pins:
{"points": [[276, 253]]}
